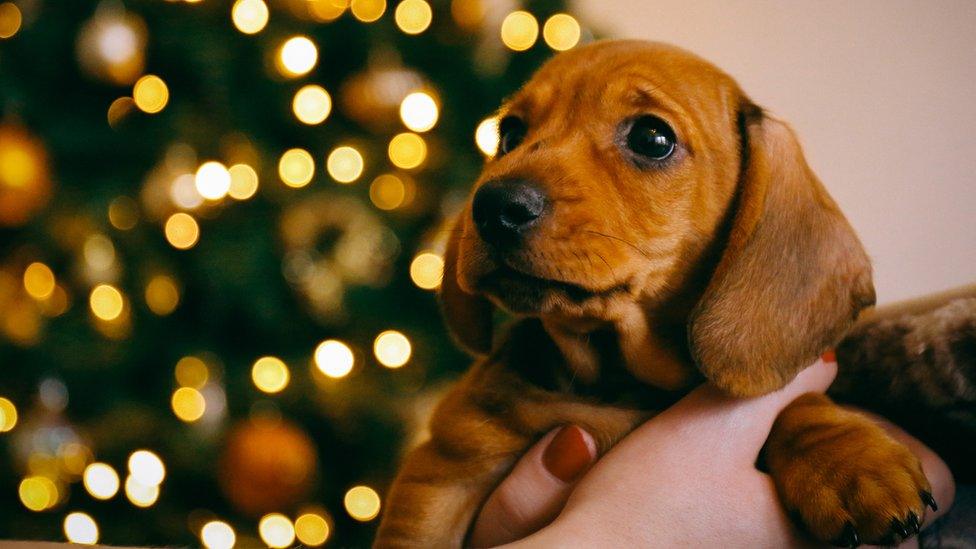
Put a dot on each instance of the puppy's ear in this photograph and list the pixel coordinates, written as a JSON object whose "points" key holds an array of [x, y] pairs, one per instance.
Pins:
{"points": [[468, 316], [792, 278]]}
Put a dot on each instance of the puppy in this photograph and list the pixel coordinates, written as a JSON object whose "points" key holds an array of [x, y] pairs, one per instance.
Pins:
{"points": [[648, 222]]}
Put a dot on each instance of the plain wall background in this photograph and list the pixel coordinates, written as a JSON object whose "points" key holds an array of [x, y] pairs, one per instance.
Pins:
{"points": [[883, 96]]}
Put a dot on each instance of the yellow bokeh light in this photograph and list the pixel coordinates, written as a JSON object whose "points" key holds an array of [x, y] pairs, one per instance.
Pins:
{"points": [[392, 349], [312, 104], [334, 358], [561, 32], [106, 302], [101, 480], [486, 136], [327, 10], [81, 528], [362, 503], [118, 110], [345, 164], [146, 468], [99, 252], [312, 529], [39, 280], [74, 457], [296, 167], [217, 535], [427, 270], [188, 404], [182, 231], [212, 180], [10, 19], [249, 16], [8, 415], [162, 295], [276, 530], [297, 56], [38, 493], [367, 11], [270, 374], [407, 150], [413, 16], [123, 213], [419, 111], [192, 372], [140, 494], [243, 182], [150, 94], [468, 14], [520, 29], [387, 192]]}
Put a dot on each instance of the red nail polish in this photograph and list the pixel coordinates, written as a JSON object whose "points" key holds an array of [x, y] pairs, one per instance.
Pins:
{"points": [[568, 456], [829, 356]]}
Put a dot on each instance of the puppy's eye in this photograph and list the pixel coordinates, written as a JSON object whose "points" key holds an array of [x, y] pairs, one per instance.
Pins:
{"points": [[511, 131], [651, 137]]}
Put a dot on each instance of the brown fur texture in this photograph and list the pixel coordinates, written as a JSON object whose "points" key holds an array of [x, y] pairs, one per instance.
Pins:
{"points": [[727, 262]]}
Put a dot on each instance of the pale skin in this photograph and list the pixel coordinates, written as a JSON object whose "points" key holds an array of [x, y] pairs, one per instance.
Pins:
{"points": [[685, 478]]}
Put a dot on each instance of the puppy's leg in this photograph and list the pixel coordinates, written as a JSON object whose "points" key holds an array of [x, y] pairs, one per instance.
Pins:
{"points": [[843, 476]]}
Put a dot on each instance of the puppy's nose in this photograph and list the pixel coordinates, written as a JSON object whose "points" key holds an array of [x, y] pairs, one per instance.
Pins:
{"points": [[505, 209]]}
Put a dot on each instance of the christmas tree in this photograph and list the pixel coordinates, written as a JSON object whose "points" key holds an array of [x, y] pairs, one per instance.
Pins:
{"points": [[220, 232]]}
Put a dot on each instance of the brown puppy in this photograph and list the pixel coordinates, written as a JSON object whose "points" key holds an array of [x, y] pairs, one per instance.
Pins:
{"points": [[650, 222]]}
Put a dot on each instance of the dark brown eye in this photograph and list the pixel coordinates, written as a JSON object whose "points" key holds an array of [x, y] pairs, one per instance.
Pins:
{"points": [[511, 132], [651, 137]]}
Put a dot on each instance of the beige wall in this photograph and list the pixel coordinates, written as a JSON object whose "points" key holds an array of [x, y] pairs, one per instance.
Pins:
{"points": [[883, 95]]}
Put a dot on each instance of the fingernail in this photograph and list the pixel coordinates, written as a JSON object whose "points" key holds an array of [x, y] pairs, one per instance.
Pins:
{"points": [[829, 356], [568, 456]]}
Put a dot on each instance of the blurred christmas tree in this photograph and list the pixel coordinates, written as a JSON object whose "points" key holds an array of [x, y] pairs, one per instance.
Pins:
{"points": [[220, 225]]}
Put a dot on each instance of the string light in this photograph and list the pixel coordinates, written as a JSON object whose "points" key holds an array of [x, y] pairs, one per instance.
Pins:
{"points": [[276, 530], [296, 168], [81, 528], [392, 349], [345, 164], [8, 415], [147, 468], [183, 192], [427, 270], [243, 182], [106, 302], [362, 503], [468, 14], [212, 180], [387, 192], [39, 281], [413, 16], [38, 493], [249, 16], [118, 110], [150, 94], [270, 374], [99, 252], [10, 19], [312, 529], [182, 231], [192, 372], [162, 295], [123, 213], [188, 404], [367, 11], [297, 56], [418, 111], [486, 136], [561, 32], [334, 358], [407, 150], [312, 104], [519, 30], [101, 480], [327, 10], [140, 494], [217, 535]]}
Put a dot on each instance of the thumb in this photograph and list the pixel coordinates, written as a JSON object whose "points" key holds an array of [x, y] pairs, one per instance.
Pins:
{"points": [[536, 489]]}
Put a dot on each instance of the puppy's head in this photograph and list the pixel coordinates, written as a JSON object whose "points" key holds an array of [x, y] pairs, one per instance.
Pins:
{"points": [[621, 167]]}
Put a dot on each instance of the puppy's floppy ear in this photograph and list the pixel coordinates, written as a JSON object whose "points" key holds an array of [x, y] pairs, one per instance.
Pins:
{"points": [[792, 278], [468, 316]]}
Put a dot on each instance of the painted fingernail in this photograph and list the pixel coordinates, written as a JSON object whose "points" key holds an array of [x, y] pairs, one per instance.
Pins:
{"points": [[568, 456], [829, 356]]}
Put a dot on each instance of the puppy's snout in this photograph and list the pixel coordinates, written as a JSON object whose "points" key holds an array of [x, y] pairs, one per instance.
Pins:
{"points": [[504, 210]]}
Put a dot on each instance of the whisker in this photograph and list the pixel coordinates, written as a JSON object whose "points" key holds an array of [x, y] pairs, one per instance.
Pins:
{"points": [[617, 238]]}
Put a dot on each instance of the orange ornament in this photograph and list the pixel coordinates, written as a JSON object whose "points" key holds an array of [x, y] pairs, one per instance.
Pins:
{"points": [[25, 183]]}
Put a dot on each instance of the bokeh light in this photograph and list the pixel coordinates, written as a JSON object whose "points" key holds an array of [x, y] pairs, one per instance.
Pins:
{"points": [[362, 503], [39, 281], [106, 302], [99, 252], [407, 150], [276, 530], [188, 404], [162, 295], [8, 415], [419, 111], [101, 480], [296, 167], [367, 11], [192, 372], [520, 29], [182, 231], [392, 349], [427, 270], [150, 94], [38, 493], [486, 136], [123, 213], [249, 16], [10, 19], [334, 358], [387, 192], [413, 16], [212, 180], [312, 529], [561, 32], [140, 494], [345, 164], [297, 56], [217, 535], [243, 182], [146, 468], [312, 104], [270, 374], [81, 528]]}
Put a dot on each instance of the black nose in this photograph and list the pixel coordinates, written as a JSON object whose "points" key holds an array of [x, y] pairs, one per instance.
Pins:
{"points": [[504, 210]]}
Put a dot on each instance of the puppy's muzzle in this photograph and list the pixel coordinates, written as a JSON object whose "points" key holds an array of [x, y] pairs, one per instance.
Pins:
{"points": [[505, 210]]}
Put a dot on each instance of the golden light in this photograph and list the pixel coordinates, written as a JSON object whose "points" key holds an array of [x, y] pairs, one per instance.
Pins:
{"points": [[486, 136], [297, 56], [362, 503], [407, 150], [413, 16], [123, 213], [192, 372], [10, 19], [39, 280], [146, 468], [188, 404], [418, 111], [74, 458], [520, 30], [243, 182], [334, 358], [183, 192], [106, 302], [140, 494], [81, 528], [312, 529], [327, 10], [367, 11], [312, 104], [182, 231], [345, 164], [118, 110], [276, 530], [296, 167], [162, 295], [212, 180], [387, 192], [561, 32], [392, 349], [8, 415], [468, 14], [249, 16], [99, 252], [217, 535], [150, 94], [38, 493], [427, 270], [101, 480], [270, 374]]}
